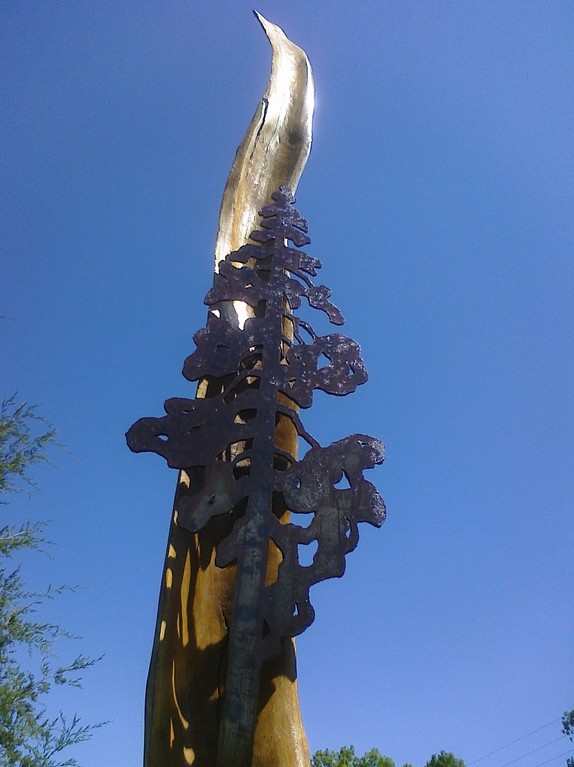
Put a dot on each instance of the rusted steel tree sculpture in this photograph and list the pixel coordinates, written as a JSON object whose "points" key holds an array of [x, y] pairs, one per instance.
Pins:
{"points": [[259, 373], [212, 641]]}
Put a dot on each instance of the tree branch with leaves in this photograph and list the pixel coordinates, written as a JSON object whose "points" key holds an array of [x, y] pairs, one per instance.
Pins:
{"points": [[568, 729], [29, 735]]}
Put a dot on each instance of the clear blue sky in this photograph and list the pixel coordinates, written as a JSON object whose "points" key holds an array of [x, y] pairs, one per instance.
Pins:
{"points": [[440, 195]]}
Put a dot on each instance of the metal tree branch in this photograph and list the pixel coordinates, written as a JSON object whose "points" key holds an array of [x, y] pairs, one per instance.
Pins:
{"points": [[265, 373]]}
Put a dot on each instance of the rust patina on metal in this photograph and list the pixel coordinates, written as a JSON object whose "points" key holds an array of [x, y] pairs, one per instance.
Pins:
{"points": [[259, 371]]}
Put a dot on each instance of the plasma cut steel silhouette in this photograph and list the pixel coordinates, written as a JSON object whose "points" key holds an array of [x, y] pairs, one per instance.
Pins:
{"points": [[258, 374]]}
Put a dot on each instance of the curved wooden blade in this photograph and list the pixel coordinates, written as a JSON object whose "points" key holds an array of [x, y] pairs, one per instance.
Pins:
{"points": [[275, 147]]}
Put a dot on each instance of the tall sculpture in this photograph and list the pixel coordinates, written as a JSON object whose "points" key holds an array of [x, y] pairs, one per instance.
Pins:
{"points": [[222, 684]]}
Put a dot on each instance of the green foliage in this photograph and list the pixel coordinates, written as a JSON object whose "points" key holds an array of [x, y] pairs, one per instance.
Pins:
{"points": [[347, 757], [568, 729], [20, 445], [29, 735], [444, 759], [568, 724]]}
